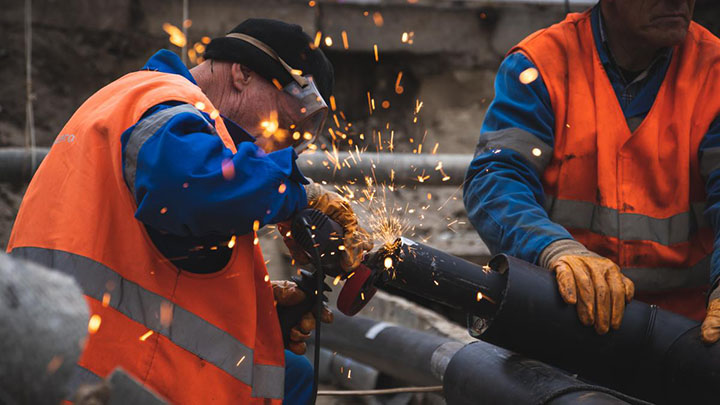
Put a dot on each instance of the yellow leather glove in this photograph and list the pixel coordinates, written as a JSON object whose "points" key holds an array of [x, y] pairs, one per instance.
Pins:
{"points": [[593, 283], [598, 288], [287, 294], [710, 330], [355, 239]]}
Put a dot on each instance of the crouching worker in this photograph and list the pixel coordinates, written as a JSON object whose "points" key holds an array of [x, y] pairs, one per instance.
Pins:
{"points": [[152, 205]]}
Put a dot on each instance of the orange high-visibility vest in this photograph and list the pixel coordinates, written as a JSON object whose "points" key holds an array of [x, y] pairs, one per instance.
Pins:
{"points": [[193, 338], [634, 197]]}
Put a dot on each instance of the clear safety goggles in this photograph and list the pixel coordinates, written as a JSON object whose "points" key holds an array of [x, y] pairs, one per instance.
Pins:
{"points": [[313, 109]]}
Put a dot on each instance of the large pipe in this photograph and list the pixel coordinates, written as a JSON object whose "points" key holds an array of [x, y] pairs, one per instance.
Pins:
{"points": [[471, 374], [656, 355], [398, 168]]}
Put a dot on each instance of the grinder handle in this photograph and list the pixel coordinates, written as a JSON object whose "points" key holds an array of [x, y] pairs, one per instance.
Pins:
{"points": [[290, 316]]}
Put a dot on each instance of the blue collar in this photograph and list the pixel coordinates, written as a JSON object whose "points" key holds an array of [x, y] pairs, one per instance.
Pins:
{"points": [[237, 133], [168, 62]]}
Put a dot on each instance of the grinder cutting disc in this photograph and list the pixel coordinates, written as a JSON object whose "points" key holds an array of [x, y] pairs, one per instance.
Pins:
{"points": [[357, 291]]}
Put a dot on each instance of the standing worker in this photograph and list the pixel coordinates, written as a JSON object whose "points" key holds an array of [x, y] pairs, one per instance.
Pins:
{"points": [[150, 198], [598, 156]]}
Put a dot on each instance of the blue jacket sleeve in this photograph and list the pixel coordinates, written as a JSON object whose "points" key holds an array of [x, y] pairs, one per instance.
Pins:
{"points": [[711, 145], [187, 183], [503, 193]]}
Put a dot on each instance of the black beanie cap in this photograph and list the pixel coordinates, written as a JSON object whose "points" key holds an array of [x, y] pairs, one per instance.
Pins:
{"points": [[287, 40]]}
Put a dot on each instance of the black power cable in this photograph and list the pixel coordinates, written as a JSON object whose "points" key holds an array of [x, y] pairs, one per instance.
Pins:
{"points": [[320, 279]]}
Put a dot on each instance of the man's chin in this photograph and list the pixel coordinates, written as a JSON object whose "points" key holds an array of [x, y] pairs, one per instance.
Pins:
{"points": [[668, 35]]}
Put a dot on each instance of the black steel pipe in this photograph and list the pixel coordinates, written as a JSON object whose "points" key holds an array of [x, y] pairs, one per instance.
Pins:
{"points": [[16, 164], [481, 373], [655, 355], [379, 345], [435, 275], [471, 374]]}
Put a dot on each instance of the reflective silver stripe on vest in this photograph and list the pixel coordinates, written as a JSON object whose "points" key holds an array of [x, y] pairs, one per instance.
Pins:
{"points": [[710, 161], [626, 226], [267, 381], [81, 376], [535, 151], [147, 128], [662, 279], [187, 330]]}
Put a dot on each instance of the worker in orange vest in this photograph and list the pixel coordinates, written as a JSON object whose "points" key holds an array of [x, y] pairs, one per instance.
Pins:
{"points": [[600, 153], [151, 198]]}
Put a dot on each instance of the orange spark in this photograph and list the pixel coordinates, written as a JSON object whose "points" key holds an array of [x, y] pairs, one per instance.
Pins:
{"points": [[378, 19], [177, 37], [146, 335], [346, 45], [228, 169], [94, 324], [529, 75], [166, 313], [398, 88], [54, 364]]}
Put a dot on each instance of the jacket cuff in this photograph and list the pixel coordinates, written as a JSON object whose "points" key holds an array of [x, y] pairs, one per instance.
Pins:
{"points": [[560, 248], [287, 160]]}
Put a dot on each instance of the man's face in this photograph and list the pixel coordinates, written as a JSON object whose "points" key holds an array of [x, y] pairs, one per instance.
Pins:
{"points": [[662, 23], [270, 115]]}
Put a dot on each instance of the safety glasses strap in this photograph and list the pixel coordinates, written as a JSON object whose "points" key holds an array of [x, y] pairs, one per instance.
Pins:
{"points": [[270, 52]]}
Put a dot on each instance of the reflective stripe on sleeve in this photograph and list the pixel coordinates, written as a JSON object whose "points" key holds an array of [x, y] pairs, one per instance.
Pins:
{"points": [[710, 161], [529, 146], [144, 130], [188, 330], [626, 226]]}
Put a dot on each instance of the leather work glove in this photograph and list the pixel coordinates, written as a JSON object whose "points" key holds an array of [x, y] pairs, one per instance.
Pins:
{"points": [[710, 330], [592, 282], [287, 294], [355, 239]]}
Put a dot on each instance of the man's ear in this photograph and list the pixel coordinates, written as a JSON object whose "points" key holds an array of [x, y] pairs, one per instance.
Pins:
{"points": [[241, 76]]}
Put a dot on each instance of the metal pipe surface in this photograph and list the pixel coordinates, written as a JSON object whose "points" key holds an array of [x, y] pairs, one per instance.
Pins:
{"points": [[397, 168], [421, 270], [470, 374], [656, 355]]}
